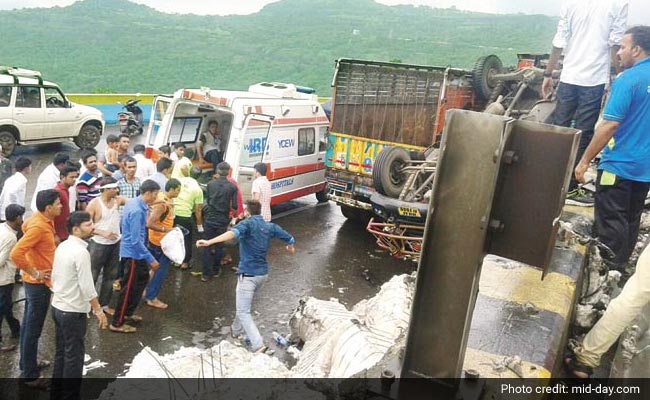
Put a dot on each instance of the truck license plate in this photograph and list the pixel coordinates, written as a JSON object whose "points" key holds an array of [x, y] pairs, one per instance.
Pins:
{"points": [[409, 212]]}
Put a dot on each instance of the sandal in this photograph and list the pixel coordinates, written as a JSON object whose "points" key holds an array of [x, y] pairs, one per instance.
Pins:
{"points": [[185, 266], [122, 329], [108, 311], [577, 369], [155, 303], [43, 364], [9, 347], [133, 318]]}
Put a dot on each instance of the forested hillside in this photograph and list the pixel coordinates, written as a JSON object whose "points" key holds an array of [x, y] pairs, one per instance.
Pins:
{"points": [[118, 46]]}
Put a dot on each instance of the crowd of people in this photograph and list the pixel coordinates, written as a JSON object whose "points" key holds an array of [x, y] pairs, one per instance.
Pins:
{"points": [[94, 243], [97, 225], [602, 55]]}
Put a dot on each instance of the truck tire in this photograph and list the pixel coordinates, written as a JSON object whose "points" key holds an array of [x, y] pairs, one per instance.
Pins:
{"points": [[350, 213], [8, 142], [387, 177], [322, 195], [482, 73], [88, 137]]}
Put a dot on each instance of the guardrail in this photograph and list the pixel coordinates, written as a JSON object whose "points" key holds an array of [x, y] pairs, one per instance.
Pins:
{"points": [[108, 103]]}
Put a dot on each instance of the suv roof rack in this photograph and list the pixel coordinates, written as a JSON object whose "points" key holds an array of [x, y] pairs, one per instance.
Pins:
{"points": [[21, 73]]}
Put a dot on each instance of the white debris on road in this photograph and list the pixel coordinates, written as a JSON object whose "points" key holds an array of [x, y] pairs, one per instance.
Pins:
{"points": [[338, 342]]}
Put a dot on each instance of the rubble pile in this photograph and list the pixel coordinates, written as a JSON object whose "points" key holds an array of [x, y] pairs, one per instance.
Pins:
{"points": [[338, 343]]}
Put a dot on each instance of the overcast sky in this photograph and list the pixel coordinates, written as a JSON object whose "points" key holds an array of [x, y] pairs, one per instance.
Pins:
{"points": [[639, 9]]}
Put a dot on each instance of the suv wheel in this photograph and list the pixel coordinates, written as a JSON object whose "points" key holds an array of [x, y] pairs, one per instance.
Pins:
{"points": [[8, 142], [88, 137]]}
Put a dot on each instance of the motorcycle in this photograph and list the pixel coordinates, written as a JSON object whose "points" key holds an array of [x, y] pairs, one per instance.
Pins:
{"points": [[131, 120]]}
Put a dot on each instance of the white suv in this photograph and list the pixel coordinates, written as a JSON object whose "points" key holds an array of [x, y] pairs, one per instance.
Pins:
{"points": [[34, 111]]}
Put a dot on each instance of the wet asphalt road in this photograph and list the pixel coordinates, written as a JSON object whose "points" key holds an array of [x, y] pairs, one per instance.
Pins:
{"points": [[334, 259]]}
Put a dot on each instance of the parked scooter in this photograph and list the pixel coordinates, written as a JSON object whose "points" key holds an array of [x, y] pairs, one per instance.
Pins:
{"points": [[131, 120]]}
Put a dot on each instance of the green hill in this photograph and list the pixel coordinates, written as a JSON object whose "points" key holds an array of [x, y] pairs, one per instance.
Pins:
{"points": [[118, 46]]}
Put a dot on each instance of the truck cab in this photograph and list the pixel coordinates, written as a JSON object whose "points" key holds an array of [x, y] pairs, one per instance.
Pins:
{"points": [[281, 125]]}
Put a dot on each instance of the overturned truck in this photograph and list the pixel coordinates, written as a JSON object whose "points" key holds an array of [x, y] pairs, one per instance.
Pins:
{"points": [[386, 124]]}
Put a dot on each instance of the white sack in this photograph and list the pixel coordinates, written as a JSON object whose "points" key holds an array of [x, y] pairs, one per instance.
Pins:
{"points": [[173, 246]]}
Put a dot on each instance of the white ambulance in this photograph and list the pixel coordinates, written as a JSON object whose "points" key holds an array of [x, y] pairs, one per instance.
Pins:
{"points": [[281, 125]]}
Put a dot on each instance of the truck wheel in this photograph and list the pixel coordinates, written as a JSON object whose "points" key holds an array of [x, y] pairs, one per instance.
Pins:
{"points": [[387, 176], [322, 195], [88, 137], [482, 73], [350, 213], [8, 142]]}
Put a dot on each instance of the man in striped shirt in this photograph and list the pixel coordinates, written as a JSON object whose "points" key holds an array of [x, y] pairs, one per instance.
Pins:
{"points": [[89, 181]]}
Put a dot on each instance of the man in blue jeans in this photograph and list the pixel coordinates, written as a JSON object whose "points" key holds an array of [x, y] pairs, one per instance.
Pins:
{"points": [[34, 255], [160, 222], [591, 32], [254, 235]]}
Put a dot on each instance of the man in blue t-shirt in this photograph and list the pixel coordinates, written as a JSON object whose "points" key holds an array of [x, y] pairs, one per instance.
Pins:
{"points": [[254, 235], [624, 169], [623, 182]]}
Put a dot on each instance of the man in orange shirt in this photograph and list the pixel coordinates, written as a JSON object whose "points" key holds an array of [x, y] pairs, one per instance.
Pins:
{"points": [[34, 255]]}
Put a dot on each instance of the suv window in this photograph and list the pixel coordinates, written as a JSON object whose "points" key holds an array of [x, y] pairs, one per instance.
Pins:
{"points": [[5, 96], [54, 98], [28, 97]]}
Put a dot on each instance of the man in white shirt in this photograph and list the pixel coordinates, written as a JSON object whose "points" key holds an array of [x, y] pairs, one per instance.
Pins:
{"points": [[15, 187], [261, 190], [590, 32], [73, 297], [210, 146], [8, 239], [145, 166], [50, 177]]}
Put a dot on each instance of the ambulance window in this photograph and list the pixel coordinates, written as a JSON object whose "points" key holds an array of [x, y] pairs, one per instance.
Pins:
{"points": [[323, 139], [306, 141], [161, 109], [184, 130]]}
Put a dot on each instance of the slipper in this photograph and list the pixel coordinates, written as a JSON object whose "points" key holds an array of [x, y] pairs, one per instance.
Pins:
{"points": [[205, 278], [261, 350], [122, 329], [43, 364], [108, 311], [156, 304], [133, 318], [235, 269], [196, 273], [185, 266], [577, 369]]}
